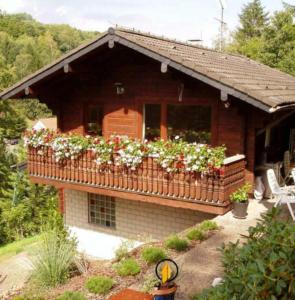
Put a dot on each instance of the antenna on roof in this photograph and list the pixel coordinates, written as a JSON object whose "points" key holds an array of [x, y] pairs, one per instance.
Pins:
{"points": [[197, 40], [222, 25]]}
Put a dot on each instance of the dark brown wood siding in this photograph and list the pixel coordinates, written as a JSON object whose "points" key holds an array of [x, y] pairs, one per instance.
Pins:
{"points": [[93, 81]]}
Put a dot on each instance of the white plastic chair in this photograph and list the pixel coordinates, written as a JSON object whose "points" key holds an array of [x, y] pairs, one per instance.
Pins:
{"points": [[281, 194]]}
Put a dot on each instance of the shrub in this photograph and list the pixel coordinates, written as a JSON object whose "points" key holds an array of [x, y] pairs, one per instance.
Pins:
{"points": [[249, 274], [195, 234], [53, 260], [176, 243], [71, 296], [127, 267], [153, 254], [208, 225], [99, 284], [123, 250]]}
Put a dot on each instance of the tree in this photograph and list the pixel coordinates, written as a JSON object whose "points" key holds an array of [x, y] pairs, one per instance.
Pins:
{"points": [[31, 109], [247, 38], [279, 42], [253, 20], [11, 123]]}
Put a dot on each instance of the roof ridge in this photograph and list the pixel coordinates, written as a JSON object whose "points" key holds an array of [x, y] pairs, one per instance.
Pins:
{"points": [[162, 37]]}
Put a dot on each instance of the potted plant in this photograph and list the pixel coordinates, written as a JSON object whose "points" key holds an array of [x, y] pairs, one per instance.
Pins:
{"points": [[240, 200]]}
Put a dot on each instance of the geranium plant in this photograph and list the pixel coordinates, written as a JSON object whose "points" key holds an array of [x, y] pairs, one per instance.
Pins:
{"points": [[69, 146], [172, 155]]}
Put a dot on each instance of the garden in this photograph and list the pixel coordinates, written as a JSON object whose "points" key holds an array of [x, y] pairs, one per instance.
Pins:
{"points": [[61, 273]]}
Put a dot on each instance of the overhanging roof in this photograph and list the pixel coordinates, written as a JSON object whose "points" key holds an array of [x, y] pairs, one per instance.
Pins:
{"points": [[248, 80]]}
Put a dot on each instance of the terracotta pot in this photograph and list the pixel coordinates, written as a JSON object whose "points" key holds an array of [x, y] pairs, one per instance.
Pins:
{"points": [[165, 293], [240, 209]]}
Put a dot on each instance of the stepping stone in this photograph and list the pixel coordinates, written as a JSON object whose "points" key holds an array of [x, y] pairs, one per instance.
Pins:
{"points": [[131, 294]]}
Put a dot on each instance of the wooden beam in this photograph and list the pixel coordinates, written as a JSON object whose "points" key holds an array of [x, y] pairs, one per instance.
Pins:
{"points": [[133, 196], [223, 96], [28, 91], [275, 122], [164, 67], [111, 43], [68, 68]]}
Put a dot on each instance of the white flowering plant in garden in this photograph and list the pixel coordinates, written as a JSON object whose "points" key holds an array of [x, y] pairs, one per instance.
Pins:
{"points": [[172, 155]]}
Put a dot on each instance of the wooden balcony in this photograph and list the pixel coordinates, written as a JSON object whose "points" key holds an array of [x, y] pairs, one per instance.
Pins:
{"points": [[149, 183]]}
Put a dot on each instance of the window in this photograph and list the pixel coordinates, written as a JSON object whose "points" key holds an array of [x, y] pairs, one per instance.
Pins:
{"points": [[94, 117], [152, 119], [190, 122], [102, 210]]}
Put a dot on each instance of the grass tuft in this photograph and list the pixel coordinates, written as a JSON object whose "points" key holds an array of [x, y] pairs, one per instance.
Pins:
{"points": [[176, 243], [195, 234], [53, 260], [71, 296], [127, 267], [99, 284], [153, 254], [208, 225]]}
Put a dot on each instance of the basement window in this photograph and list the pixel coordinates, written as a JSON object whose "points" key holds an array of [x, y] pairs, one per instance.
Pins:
{"points": [[102, 210]]}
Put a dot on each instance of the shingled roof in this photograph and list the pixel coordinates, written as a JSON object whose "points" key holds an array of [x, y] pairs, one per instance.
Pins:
{"points": [[248, 80]]}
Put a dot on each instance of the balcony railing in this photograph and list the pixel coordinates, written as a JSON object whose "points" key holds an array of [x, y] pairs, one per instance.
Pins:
{"points": [[149, 179]]}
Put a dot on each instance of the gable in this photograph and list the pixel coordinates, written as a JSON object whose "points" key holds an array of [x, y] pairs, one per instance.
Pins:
{"points": [[261, 86]]}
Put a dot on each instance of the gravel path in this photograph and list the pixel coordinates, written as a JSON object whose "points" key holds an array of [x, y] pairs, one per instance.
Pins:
{"points": [[14, 272], [202, 264]]}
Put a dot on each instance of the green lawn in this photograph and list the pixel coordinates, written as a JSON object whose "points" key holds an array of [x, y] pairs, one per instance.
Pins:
{"points": [[14, 248]]}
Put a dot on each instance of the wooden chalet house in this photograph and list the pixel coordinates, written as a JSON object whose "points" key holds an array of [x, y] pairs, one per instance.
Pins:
{"points": [[131, 83]]}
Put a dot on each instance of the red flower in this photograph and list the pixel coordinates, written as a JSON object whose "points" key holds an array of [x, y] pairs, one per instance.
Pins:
{"points": [[179, 165], [221, 172]]}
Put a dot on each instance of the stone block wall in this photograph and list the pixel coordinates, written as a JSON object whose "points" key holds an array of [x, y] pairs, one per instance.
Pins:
{"points": [[134, 219]]}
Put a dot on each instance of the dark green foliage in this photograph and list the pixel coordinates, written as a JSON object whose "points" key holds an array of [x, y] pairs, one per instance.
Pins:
{"points": [[176, 243], [32, 109], [253, 20], [195, 234], [11, 123], [71, 296], [25, 46], [262, 268], [268, 40], [99, 284], [153, 254], [127, 267]]}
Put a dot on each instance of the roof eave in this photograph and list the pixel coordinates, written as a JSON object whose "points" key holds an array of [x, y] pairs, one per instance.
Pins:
{"points": [[18, 88]]}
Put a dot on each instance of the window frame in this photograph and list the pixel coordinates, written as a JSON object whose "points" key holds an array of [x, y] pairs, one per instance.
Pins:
{"points": [[86, 117], [164, 115], [99, 224], [144, 118], [192, 104]]}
